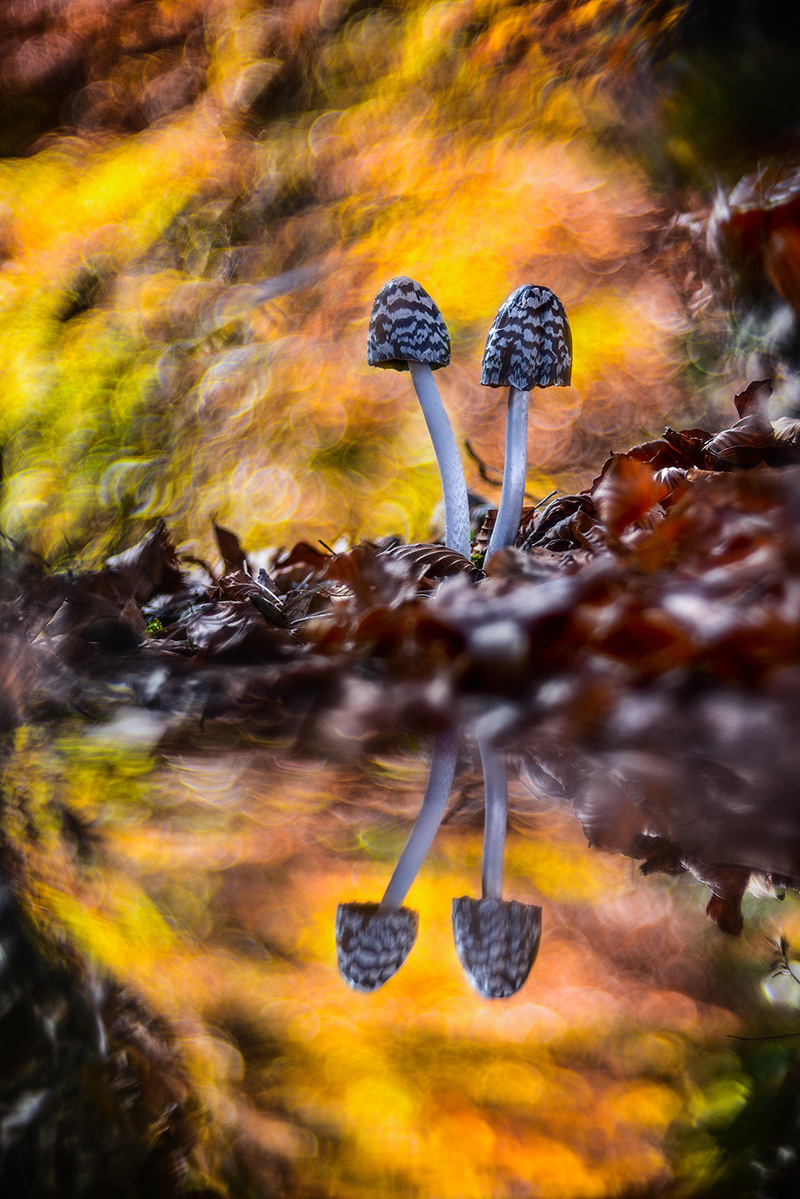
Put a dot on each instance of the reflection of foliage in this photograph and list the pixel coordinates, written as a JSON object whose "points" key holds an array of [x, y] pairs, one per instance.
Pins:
{"points": [[218, 915], [742, 1137], [745, 1132], [782, 963], [96, 1096]]}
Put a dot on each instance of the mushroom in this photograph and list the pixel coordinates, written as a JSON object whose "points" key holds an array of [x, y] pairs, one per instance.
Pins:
{"points": [[529, 345], [407, 332], [374, 939], [496, 940]]}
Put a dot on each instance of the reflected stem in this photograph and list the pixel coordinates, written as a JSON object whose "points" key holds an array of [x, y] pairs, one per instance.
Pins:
{"points": [[495, 775], [434, 803]]}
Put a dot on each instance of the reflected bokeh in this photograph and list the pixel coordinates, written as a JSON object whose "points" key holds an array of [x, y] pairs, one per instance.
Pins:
{"points": [[212, 896], [223, 679]]}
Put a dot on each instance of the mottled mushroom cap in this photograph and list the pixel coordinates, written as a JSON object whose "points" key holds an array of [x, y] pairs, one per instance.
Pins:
{"points": [[497, 942], [529, 343], [406, 325], [373, 942]]}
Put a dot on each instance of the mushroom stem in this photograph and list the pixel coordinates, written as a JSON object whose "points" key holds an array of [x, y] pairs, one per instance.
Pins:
{"points": [[454, 487], [440, 780], [495, 777], [509, 512]]}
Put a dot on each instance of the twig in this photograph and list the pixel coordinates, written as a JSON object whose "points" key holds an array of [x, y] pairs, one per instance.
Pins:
{"points": [[483, 469], [775, 1036], [545, 498]]}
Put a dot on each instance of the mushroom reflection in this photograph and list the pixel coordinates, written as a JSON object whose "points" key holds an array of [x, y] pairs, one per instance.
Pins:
{"points": [[529, 345], [407, 332], [496, 940], [373, 940]]}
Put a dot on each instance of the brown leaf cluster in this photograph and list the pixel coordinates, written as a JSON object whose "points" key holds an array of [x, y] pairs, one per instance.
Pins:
{"points": [[756, 229]]}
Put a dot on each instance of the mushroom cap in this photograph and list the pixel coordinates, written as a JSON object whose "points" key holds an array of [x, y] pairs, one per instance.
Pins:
{"points": [[529, 343], [372, 942], [497, 941], [406, 325]]}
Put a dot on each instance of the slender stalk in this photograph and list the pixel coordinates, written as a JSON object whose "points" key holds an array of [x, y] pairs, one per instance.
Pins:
{"points": [[495, 777], [454, 487], [440, 780], [510, 510]]}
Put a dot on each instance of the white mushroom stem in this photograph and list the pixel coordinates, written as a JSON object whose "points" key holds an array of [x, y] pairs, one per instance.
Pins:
{"points": [[495, 778], [440, 780], [454, 487], [509, 512]]}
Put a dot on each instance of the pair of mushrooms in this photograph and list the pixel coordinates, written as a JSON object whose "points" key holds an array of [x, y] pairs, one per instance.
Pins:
{"points": [[529, 345]]}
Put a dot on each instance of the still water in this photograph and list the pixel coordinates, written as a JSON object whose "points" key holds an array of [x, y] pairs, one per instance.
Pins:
{"points": [[615, 1069]]}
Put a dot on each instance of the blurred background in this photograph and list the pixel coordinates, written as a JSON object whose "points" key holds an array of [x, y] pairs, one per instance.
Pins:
{"points": [[198, 203]]}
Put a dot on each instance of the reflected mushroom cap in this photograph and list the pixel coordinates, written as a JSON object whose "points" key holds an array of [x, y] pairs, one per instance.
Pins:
{"points": [[497, 941], [529, 343], [372, 942], [406, 325]]}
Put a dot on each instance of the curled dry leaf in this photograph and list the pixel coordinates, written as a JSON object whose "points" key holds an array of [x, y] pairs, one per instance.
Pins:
{"points": [[569, 523], [753, 401], [787, 428], [149, 568], [755, 228], [300, 564], [688, 446], [387, 575], [750, 442], [435, 562], [240, 586], [626, 492], [230, 549], [229, 631]]}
